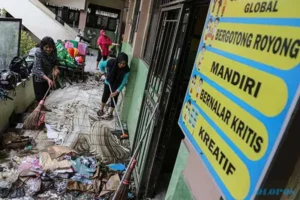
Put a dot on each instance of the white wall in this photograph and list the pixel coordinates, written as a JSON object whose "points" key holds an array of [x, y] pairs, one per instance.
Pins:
{"points": [[79, 4], [36, 20]]}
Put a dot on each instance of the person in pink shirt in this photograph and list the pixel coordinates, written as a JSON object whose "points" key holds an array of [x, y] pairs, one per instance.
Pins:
{"points": [[104, 42]]}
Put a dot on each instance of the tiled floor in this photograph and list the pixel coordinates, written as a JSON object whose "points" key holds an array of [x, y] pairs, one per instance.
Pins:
{"points": [[91, 62]]}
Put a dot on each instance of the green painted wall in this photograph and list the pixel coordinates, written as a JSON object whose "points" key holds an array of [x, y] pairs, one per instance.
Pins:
{"points": [[127, 48], [134, 91], [182, 190], [127, 99], [178, 188]]}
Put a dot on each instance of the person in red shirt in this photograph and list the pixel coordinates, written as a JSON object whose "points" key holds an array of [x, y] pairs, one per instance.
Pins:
{"points": [[104, 42]]}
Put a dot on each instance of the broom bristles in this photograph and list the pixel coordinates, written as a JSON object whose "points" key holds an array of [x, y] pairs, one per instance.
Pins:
{"points": [[122, 193], [32, 120]]}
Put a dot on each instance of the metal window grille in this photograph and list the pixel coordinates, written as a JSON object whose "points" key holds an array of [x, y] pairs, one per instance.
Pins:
{"points": [[165, 41], [151, 32], [170, 21], [149, 46]]}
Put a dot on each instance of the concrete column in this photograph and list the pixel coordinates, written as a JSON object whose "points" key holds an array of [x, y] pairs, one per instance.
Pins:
{"points": [[128, 19], [123, 19], [82, 19], [142, 28]]}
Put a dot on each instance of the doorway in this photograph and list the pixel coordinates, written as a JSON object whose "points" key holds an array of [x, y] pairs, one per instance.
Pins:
{"points": [[176, 48], [168, 24], [194, 20]]}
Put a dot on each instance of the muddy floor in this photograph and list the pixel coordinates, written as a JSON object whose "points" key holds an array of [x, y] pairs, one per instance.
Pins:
{"points": [[74, 124]]}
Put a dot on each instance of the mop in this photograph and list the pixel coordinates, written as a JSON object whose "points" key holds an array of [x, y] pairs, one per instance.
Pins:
{"points": [[124, 135]]}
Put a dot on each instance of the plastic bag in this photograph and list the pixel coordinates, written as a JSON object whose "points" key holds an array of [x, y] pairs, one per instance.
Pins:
{"points": [[69, 45], [61, 186], [63, 56], [17, 191], [33, 186], [82, 48]]}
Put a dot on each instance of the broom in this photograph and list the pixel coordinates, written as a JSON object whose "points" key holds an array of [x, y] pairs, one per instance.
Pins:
{"points": [[122, 193], [134, 156], [32, 122]]}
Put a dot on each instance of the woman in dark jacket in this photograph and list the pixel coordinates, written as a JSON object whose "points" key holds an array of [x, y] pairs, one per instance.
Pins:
{"points": [[45, 66], [116, 71]]}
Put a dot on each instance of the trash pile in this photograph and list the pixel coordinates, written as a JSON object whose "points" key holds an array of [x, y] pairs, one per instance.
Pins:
{"points": [[58, 173], [15, 141], [76, 156]]}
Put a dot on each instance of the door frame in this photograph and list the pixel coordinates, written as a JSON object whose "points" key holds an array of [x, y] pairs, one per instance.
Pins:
{"points": [[159, 141], [140, 187], [162, 130]]}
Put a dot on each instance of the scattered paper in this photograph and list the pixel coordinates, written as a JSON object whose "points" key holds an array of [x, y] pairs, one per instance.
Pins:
{"points": [[19, 126], [51, 134]]}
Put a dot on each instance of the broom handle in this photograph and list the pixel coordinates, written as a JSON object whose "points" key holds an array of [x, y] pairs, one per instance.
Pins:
{"points": [[136, 151], [118, 116], [46, 93], [128, 175]]}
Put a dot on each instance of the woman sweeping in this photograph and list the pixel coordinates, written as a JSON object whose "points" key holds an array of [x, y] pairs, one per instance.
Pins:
{"points": [[104, 42], [116, 71], [45, 66]]}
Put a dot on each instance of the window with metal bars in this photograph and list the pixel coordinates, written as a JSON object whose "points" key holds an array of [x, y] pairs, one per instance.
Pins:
{"points": [[149, 46], [152, 29], [170, 20], [134, 22]]}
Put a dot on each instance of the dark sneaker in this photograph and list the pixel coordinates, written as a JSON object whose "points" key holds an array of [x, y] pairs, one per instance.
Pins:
{"points": [[107, 116], [100, 113]]}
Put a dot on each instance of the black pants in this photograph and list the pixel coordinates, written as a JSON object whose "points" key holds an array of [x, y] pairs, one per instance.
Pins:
{"points": [[99, 57], [40, 89], [106, 94]]}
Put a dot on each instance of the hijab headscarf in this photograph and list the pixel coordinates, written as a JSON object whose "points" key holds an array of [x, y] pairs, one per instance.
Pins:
{"points": [[115, 73], [104, 42]]}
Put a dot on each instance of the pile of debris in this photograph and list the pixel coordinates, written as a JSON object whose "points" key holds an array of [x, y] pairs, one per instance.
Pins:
{"points": [[59, 173], [76, 156], [15, 141]]}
